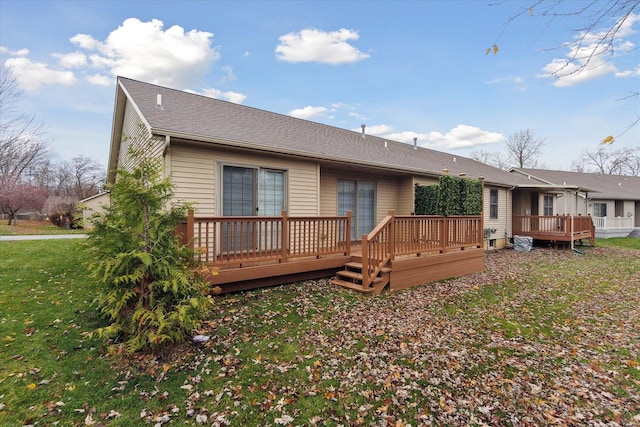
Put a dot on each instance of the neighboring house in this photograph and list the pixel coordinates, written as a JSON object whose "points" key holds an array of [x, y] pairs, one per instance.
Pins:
{"points": [[613, 201], [235, 161], [92, 205]]}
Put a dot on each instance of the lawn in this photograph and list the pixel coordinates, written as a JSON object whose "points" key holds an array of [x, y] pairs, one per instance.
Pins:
{"points": [[25, 226], [538, 338]]}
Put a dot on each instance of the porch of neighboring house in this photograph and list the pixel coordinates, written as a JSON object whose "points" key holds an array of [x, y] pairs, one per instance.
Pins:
{"points": [[613, 226], [401, 251], [556, 229]]}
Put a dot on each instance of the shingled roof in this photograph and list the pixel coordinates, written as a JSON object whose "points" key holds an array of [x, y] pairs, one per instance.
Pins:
{"points": [[200, 118], [608, 186]]}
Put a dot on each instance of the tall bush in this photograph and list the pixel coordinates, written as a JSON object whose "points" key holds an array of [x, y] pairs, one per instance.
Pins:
{"points": [[426, 199], [150, 291], [452, 196]]}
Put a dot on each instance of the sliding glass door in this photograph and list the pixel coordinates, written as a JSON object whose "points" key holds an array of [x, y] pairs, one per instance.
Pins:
{"points": [[359, 197], [248, 191]]}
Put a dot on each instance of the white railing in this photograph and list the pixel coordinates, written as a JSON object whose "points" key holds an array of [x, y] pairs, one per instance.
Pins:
{"points": [[617, 222]]}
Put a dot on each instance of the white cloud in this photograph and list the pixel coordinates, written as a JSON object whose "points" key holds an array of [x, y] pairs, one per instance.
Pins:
{"points": [[31, 75], [145, 51], [85, 41], [311, 45], [235, 97], [517, 81], [462, 136], [377, 130], [21, 52], [100, 80], [229, 74], [569, 72], [71, 60], [358, 116], [589, 56], [308, 112]]}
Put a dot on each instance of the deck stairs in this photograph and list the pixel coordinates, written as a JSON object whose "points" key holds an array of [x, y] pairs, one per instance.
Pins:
{"points": [[351, 277]]}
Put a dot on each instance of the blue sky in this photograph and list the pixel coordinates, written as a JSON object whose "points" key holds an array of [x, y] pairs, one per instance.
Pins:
{"points": [[405, 69]]}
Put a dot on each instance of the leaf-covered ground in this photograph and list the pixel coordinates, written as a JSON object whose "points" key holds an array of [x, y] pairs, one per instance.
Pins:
{"points": [[540, 338]]}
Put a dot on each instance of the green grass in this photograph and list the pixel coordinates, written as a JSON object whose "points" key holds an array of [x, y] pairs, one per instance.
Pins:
{"points": [[33, 227], [298, 350], [619, 242]]}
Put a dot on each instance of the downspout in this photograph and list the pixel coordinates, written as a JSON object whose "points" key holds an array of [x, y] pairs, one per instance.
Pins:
{"points": [[166, 155], [572, 219], [484, 240]]}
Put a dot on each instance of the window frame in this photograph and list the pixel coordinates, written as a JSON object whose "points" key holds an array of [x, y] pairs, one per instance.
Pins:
{"points": [[547, 209], [493, 203], [357, 215], [257, 193], [600, 206]]}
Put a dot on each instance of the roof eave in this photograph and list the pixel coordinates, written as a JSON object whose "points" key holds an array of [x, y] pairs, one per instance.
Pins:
{"points": [[304, 154]]}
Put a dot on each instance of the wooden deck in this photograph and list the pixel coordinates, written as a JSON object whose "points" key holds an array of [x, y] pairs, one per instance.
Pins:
{"points": [[555, 229], [401, 252]]}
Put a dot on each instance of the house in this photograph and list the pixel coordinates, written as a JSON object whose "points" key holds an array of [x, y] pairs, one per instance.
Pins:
{"points": [[92, 205], [613, 201], [280, 198]]}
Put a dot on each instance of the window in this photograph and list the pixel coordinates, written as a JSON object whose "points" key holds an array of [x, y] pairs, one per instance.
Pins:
{"points": [[359, 198], [548, 206], [600, 209], [248, 191], [252, 191], [493, 204]]}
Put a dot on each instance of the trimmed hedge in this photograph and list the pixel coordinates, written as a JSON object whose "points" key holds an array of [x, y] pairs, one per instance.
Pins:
{"points": [[452, 196]]}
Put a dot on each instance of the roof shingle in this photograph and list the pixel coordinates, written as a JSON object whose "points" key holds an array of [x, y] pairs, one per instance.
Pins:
{"points": [[199, 117]]}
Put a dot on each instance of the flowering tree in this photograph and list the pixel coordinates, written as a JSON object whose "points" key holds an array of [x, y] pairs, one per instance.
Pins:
{"points": [[15, 197]]}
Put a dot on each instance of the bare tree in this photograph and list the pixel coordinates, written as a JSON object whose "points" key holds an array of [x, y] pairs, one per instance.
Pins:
{"points": [[22, 150], [495, 159], [481, 156], [524, 148], [595, 43], [632, 163], [89, 176], [591, 42], [625, 161]]}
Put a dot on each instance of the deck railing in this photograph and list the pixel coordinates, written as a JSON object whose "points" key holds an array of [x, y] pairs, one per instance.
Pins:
{"points": [[238, 240], [552, 226], [436, 234], [377, 249], [416, 235], [615, 223]]}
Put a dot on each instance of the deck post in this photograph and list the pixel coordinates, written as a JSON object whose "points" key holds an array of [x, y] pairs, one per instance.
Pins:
{"points": [[482, 213], [444, 234], [190, 229], [285, 237], [391, 248], [348, 233], [365, 262]]}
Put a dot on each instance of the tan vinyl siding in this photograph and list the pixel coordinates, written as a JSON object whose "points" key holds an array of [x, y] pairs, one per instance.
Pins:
{"points": [[406, 196], [133, 131], [195, 174], [328, 192], [387, 197], [503, 222]]}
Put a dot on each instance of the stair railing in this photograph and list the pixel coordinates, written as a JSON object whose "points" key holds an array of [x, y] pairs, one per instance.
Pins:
{"points": [[377, 249]]}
